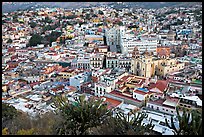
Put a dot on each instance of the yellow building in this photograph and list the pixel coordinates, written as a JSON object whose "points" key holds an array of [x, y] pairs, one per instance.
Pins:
{"points": [[66, 74], [147, 66]]}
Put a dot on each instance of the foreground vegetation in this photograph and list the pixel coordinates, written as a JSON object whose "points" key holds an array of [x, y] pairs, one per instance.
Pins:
{"points": [[89, 117]]}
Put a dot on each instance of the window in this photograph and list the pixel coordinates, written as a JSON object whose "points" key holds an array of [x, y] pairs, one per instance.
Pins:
{"points": [[166, 109], [171, 111]]}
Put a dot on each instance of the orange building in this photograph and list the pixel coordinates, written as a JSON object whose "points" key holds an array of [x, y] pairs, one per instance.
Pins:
{"points": [[163, 51]]}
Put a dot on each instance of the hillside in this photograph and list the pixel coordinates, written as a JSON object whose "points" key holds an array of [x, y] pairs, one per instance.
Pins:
{"points": [[13, 6]]}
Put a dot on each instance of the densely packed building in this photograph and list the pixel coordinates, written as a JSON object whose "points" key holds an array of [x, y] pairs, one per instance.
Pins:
{"points": [[146, 59]]}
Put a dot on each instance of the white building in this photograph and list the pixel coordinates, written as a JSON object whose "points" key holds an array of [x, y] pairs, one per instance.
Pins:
{"points": [[101, 88], [162, 105], [96, 61], [77, 80], [129, 41], [83, 62], [112, 36]]}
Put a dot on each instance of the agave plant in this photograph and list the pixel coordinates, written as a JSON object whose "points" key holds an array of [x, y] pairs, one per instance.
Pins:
{"points": [[189, 123], [82, 115], [123, 124]]}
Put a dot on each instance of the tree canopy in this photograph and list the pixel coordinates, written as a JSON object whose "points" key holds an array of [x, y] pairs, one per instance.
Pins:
{"points": [[190, 123], [81, 115], [93, 117], [33, 24], [9, 41], [35, 39], [8, 112]]}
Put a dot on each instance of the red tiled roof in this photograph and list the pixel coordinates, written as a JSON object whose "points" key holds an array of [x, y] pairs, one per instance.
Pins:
{"points": [[125, 78], [11, 49], [72, 88], [119, 82], [35, 83], [122, 88], [160, 84], [157, 102], [57, 88], [172, 99], [123, 96], [112, 102], [85, 84]]}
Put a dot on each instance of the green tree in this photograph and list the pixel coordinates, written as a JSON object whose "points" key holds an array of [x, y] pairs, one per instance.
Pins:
{"points": [[8, 112], [15, 18], [47, 20], [40, 125], [120, 23], [5, 131], [190, 123], [100, 12], [88, 16], [81, 116], [86, 44], [53, 36], [116, 14], [26, 132], [35, 39], [62, 40], [71, 16], [10, 41], [123, 124], [33, 24], [47, 27]]}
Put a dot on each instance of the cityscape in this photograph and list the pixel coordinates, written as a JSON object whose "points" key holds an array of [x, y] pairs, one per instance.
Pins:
{"points": [[102, 68]]}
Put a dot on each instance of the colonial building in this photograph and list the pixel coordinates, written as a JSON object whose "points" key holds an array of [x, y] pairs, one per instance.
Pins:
{"points": [[147, 66], [112, 36], [163, 51], [129, 41], [112, 62], [83, 62], [96, 61], [124, 62]]}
